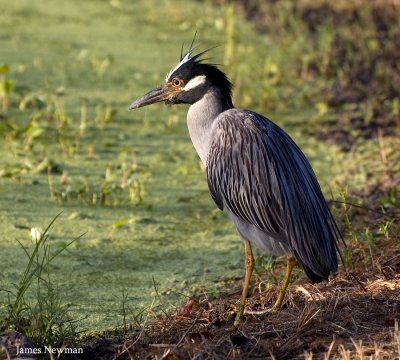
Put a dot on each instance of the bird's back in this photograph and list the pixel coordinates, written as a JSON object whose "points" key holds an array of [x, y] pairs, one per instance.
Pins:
{"points": [[261, 177]]}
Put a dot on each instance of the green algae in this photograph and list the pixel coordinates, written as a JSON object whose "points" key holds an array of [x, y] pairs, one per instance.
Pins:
{"points": [[93, 57]]}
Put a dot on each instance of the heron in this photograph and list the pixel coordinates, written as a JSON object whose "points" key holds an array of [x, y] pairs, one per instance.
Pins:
{"points": [[256, 172]]}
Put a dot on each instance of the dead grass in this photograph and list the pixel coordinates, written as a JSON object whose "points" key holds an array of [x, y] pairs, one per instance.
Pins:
{"points": [[353, 316]]}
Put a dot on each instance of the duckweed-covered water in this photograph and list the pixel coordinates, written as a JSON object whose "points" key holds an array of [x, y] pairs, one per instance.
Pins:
{"points": [[129, 181]]}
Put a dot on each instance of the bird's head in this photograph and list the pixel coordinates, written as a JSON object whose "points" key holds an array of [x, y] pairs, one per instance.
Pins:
{"points": [[187, 83]]}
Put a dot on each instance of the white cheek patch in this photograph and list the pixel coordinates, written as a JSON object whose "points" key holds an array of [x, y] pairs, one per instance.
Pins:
{"points": [[195, 82]]}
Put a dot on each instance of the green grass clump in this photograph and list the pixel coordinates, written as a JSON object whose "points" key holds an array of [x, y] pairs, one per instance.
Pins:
{"points": [[34, 306]]}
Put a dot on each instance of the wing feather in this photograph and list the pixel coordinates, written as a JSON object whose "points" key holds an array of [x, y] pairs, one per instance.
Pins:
{"points": [[256, 171]]}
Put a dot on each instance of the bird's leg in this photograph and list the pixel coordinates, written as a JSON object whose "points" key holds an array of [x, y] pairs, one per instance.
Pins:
{"points": [[249, 263], [290, 264]]}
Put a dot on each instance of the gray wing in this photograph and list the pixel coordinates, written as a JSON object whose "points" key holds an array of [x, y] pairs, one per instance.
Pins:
{"points": [[256, 171]]}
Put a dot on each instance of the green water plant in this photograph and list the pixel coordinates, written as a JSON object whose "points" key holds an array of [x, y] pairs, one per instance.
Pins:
{"points": [[6, 87]]}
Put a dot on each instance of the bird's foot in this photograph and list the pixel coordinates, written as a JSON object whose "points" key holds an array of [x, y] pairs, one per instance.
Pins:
{"points": [[272, 310], [242, 311]]}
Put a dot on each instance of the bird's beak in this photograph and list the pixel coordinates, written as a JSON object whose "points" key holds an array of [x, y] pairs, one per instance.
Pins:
{"points": [[158, 94]]}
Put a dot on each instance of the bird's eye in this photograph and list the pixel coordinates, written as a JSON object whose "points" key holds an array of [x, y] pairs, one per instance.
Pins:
{"points": [[177, 82]]}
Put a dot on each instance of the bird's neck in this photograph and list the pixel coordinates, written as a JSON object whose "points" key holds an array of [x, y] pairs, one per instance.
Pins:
{"points": [[201, 120]]}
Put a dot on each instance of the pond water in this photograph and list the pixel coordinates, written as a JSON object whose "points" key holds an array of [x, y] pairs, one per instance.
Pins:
{"points": [[130, 182]]}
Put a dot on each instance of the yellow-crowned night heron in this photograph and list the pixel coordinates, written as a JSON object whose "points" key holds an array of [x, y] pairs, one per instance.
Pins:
{"points": [[256, 172]]}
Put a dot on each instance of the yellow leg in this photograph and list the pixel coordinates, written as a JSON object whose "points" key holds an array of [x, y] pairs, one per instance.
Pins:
{"points": [[290, 264], [249, 263]]}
